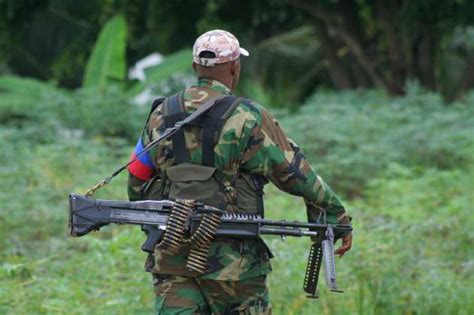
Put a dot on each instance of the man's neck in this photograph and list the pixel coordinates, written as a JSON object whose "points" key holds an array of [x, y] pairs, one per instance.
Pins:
{"points": [[226, 82], [214, 84]]}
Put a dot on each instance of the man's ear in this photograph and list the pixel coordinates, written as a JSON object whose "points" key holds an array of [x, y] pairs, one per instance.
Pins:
{"points": [[233, 67]]}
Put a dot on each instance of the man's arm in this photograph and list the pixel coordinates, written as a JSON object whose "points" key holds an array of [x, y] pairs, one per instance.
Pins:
{"points": [[134, 186], [272, 154], [141, 170]]}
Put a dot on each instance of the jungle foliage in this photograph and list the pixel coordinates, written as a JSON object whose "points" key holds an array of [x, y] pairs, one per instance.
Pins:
{"points": [[404, 165], [296, 46]]}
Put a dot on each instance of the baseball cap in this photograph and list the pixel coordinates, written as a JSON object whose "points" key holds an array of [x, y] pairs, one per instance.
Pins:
{"points": [[221, 46]]}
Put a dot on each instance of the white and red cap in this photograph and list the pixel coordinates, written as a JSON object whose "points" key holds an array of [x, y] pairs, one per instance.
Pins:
{"points": [[221, 45]]}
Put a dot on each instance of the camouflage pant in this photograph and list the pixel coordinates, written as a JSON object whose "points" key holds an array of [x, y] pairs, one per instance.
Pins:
{"points": [[184, 295]]}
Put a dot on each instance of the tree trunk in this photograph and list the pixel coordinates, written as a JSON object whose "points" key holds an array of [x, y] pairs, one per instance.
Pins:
{"points": [[424, 60], [339, 75], [398, 69], [467, 81], [358, 74], [352, 43]]}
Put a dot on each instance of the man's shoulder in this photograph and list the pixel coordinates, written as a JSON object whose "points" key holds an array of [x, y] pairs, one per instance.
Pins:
{"points": [[250, 104], [249, 109]]}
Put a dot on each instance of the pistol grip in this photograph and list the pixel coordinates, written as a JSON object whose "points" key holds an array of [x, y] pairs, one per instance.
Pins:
{"points": [[153, 235]]}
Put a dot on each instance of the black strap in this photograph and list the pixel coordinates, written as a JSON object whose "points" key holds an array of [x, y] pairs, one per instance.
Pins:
{"points": [[259, 182], [155, 104], [212, 124], [174, 112], [167, 133]]}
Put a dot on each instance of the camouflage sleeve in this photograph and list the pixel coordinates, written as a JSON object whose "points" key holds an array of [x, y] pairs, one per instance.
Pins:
{"points": [[272, 154], [134, 185], [141, 170]]}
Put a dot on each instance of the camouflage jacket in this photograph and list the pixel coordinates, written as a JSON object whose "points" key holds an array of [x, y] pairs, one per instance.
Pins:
{"points": [[251, 141]]}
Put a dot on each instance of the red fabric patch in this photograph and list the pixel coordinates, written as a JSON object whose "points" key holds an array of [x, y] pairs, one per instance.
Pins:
{"points": [[139, 169]]}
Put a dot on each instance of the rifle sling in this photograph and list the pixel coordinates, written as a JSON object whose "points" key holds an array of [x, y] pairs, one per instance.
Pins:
{"points": [[210, 124], [166, 134]]}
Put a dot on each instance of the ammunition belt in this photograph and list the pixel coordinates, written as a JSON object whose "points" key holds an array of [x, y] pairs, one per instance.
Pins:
{"points": [[200, 241]]}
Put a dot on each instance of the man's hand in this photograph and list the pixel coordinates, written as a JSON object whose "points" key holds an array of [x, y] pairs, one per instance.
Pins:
{"points": [[346, 245]]}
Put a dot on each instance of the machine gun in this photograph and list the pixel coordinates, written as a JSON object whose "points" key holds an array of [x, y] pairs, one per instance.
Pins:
{"points": [[171, 224]]}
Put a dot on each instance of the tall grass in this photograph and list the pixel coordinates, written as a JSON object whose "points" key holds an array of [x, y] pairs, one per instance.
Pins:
{"points": [[353, 137], [404, 166]]}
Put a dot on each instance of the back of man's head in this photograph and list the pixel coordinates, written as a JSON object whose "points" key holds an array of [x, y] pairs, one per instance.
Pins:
{"points": [[216, 56]]}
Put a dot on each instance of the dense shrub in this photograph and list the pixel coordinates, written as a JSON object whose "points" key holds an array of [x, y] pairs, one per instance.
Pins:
{"points": [[44, 113], [352, 137], [408, 161]]}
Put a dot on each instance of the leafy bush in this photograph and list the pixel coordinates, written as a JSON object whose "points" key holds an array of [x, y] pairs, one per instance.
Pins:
{"points": [[47, 112], [408, 161], [353, 137]]}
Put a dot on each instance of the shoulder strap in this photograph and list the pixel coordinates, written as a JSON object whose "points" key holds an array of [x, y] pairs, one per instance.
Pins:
{"points": [[167, 133], [155, 104], [212, 126], [173, 111]]}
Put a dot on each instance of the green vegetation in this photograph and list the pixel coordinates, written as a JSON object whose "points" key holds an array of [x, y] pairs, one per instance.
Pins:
{"points": [[107, 60], [404, 166], [296, 46], [358, 135]]}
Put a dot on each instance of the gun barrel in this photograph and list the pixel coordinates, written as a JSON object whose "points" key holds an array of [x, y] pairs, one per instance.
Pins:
{"points": [[266, 230], [297, 224]]}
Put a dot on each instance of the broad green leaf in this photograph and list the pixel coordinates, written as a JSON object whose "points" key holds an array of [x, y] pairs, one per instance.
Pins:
{"points": [[174, 63], [107, 61], [177, 62]]}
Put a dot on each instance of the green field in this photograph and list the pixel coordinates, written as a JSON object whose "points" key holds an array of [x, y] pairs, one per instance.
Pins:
{"points": [[404, 166]]}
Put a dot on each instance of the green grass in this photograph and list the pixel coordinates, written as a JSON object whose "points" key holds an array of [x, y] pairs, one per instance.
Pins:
{"points": [[412, 249], [405, 167]]}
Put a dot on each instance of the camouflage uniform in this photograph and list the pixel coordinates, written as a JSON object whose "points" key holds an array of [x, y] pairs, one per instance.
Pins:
{"points": [[187, 295], [252, 142]]}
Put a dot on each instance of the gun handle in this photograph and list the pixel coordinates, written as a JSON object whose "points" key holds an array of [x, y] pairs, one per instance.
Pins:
{"points": [[329, 262], [153, 235]]}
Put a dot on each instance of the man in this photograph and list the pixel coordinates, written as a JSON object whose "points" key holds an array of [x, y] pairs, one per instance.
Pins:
{"points": [[223, 160]]}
